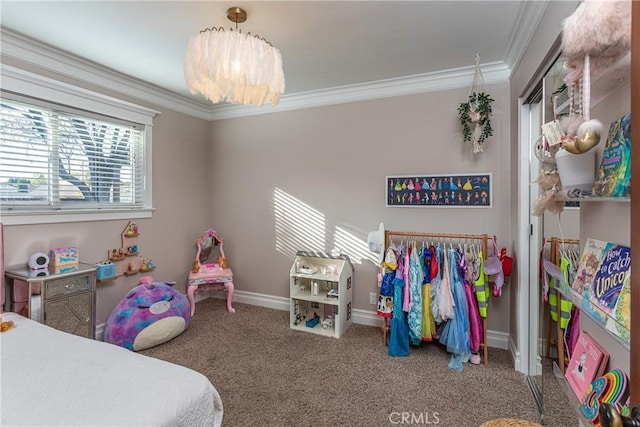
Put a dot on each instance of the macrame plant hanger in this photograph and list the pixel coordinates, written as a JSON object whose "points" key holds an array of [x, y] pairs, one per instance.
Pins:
{"points": [[477, 87]]}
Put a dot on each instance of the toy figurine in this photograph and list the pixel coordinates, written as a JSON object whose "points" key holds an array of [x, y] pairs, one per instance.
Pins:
{"points": [[196, 266]]}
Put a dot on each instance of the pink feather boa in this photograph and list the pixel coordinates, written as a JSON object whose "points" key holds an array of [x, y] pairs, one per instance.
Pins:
{"points": [[599, 28]]}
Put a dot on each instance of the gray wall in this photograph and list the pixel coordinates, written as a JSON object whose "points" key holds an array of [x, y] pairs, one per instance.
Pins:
{"points": [[181, 197], [327, 167]]}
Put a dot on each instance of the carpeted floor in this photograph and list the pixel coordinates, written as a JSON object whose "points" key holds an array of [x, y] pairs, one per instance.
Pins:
{"points": [[270, 375]]}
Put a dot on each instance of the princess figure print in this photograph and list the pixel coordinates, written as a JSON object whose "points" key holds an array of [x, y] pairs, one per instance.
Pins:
{"points": [[580, 367]]}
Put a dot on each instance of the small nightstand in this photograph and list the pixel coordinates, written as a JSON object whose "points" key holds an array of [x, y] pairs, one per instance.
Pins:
{"points": [[63, 300]]}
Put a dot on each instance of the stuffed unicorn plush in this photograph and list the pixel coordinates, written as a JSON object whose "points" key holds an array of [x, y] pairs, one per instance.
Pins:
{"points": [[152, 313]]}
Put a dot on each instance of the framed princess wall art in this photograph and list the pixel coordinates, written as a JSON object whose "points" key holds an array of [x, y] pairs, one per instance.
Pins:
{"points": [[449, 190]]}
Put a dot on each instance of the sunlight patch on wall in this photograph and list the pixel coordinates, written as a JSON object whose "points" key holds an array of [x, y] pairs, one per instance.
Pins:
{"points": [[356, 248], [298, 225]]}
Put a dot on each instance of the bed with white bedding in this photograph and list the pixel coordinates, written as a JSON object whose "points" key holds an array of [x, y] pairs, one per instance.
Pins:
{"points": [[51, 378]]}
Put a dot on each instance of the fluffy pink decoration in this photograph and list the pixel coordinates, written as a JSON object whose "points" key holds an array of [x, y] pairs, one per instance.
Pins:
{"points": [[600, 28], [570, 124]]}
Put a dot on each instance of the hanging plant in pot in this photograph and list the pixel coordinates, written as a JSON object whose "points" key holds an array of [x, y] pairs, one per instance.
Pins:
{"points": [[475, 119]]}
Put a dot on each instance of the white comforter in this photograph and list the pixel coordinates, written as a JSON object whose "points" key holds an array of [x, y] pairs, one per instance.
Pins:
{"points": [[54, 378]]}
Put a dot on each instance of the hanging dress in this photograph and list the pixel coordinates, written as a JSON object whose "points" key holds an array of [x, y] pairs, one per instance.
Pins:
{"points": [[475, 322], [385, 297], [428, 324], [399, 329], [455, 332], [415, 305], [445, 300], [435, 284]]}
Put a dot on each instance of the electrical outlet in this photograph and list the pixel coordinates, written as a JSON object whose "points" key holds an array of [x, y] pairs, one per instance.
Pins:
{"points": [[373, 298]]}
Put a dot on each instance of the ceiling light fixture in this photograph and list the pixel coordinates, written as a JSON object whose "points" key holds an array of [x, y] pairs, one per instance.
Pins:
{"points": [[229, 66]]}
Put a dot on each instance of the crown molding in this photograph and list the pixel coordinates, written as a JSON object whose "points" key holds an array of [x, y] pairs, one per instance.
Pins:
{"points": [[529, 17], [496, 72], [28, 51], [45, 57]]}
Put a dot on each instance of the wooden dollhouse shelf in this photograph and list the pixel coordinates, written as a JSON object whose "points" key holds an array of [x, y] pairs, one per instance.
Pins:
{"points": [[321, 285]]}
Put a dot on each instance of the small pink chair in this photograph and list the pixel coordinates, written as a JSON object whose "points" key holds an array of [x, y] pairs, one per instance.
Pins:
{"points": [[210, 273]]}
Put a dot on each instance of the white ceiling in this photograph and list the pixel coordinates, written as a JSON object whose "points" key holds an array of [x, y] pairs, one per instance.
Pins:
{"points": [[323, 44]]}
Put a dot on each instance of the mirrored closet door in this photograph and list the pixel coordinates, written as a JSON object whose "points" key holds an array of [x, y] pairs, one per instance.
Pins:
{"points": [[554, 237], [560, 235]]}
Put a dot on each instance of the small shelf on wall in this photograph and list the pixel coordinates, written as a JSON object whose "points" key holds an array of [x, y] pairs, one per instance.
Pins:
{"points": [[582, 196], [604, 321], [127, 259]]}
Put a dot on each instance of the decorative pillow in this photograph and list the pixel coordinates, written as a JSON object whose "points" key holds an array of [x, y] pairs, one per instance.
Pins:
{"points": [[149, 315]]}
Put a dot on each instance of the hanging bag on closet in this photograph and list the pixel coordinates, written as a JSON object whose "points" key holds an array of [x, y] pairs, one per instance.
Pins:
{"points": [[507, 262], [492, 264], [493, 269]]}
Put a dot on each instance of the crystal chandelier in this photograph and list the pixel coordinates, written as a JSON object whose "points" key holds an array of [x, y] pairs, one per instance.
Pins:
{"points": [[229, 66]]}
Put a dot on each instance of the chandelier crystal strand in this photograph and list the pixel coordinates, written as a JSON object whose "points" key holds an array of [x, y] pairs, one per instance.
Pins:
{"points": [[229, 66]]}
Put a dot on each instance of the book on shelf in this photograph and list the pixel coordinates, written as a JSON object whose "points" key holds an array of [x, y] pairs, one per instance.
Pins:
{"points": [[588, 362], [620, 321], [604, 273], [613, 177]]}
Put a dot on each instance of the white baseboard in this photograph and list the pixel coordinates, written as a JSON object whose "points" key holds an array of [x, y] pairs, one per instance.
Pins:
{"points": [[496, 339], [515, 355]]}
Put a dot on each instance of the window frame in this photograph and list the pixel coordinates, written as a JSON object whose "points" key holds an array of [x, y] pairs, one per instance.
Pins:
{"points": [[36, 86]]}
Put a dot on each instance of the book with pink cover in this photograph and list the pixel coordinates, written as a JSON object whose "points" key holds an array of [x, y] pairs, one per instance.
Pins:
{"points": [[588, 362]]}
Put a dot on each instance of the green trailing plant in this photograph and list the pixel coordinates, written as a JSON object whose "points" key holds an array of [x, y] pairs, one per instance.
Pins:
{"points": [[476, 113]]}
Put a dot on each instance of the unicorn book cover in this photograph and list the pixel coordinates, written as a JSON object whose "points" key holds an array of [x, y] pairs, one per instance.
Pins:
{"points": [[604, 269]]}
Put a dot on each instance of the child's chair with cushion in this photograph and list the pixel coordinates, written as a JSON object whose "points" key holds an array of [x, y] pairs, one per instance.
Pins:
{"points": [[210, 272]]}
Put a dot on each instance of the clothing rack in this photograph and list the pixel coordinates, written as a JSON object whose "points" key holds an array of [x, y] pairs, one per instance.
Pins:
{"points": [[481, 239], [554, 257]]}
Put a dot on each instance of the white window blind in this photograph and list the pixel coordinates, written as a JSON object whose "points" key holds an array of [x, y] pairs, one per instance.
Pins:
{"points": [[56, 158]]}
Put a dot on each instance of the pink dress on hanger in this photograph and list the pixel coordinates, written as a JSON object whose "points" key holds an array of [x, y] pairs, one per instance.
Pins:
{"points": [[406, 302]]}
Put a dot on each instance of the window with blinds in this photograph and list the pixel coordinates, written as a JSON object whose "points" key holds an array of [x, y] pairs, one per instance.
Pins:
{"points": [[58, 158]]}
